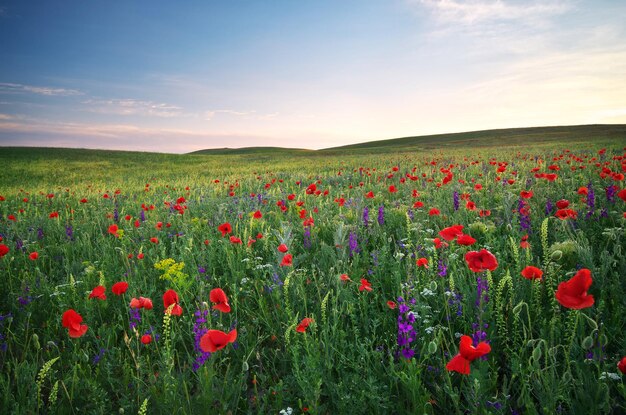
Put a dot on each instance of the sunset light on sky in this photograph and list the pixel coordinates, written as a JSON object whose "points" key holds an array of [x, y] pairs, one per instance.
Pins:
{"points": [[183, 76]]}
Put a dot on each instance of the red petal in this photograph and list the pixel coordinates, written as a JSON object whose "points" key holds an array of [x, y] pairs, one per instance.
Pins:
{"points": [[459, 364], [217, 295], [223, 307], [470, 352]]}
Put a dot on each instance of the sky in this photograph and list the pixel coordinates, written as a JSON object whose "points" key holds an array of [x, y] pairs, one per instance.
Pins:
{"points": [[182, 76]]}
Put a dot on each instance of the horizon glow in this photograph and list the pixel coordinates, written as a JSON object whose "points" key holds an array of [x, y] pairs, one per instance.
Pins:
{"points": [[152, 76]]}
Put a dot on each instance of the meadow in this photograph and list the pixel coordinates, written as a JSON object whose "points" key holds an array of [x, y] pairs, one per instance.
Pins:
{"points": [[463, 279]]}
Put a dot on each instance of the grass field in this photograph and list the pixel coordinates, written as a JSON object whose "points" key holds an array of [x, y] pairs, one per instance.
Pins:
{"points": [[351, 276]]}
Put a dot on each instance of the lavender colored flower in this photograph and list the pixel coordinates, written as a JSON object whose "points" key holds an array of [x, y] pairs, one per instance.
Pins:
{"points": [[411, 214], [455, 199], [116, 215], [96, 359], [482, 296], [549, 207], [406, 331], [442, 269], [135, 317], [142, 215], [198, 331], [610, 193], [366, 216], [381, 215], [524, 216], [591, 200], [306, 238], [40, 233], [353, 244], [69, 231]]}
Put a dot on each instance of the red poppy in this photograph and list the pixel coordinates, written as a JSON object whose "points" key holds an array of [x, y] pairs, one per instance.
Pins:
{"points": [[3, 250], [171, 297], [154, 240], [582, 191], [566, 214], [524, 242], [287, 261], [467, 354], [214, 340], [562, 204], [235, 240], [304, 324], [83, 200], [369, 195], [365, 285], [146, 339], [344, 277], [481, 261], [141, 303], [225, 228], [119, 288], [33, 256], [573, 293], [71, 320], [113, 230], [140, 255], [393, 189], [622, 194], [484, 212], [51, 216], [391, 304], [98, 293], [283, 248], [218, 296], [465, 240], [621, 365], [526, 194], [451, 232], [257, 215], [422, 262], [532, 273], [434, 212]]}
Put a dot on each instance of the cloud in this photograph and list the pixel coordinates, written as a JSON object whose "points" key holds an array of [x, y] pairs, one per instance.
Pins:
{"points": [[133, 107], [31, 132], [479, 11], [11, 88], [5, 117], [252, 114]]}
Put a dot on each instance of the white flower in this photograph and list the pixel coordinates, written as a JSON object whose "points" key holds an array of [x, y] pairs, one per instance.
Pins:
{"points": [[610, 375]]}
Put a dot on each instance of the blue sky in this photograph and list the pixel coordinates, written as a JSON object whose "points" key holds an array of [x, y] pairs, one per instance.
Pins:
{"points": [[159, 76]]}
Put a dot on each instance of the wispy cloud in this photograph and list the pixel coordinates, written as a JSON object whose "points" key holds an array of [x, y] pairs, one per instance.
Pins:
{"points": [[11, 88], [252, 114], [479, 11], [5, 117], [132, 107]]}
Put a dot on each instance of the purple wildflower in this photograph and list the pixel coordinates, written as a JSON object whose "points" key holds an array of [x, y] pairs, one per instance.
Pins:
{"points": [[353, 244], [381, 215], [198, 332], [455, 199], [366, 216]]}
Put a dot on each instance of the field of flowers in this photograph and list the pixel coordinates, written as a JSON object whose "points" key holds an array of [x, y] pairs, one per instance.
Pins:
{"points": [[467, 281]]}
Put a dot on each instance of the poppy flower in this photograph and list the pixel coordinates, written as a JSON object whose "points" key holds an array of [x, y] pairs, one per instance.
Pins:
{"points": [[214, 340], [434, 212], [524, 242], [365, 285], [344, 277], [171, 297], [393, 189], [532, 273], [98, 293], [225, 228], [526, 194], [467, 354], [33, 256], [141, 303], [235, 240], [257, 215], [465, 240], [218, 296], [479, 261], [391, 304], [283, 248], [287, 261], [3, 250], [451, 232], [71, 320], [582, 191], [562, 204], [304, 324], [369, 195], [422, 262], [146, 339], [622, 194], [573, 293], [566, 214], [119, 288], [621, 365], [113, 230]]}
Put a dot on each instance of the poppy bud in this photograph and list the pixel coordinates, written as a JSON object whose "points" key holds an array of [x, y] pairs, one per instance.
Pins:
{"points": [[556, 255], [36, 344], [603, 340], [245, 366], [432, 347], [433, 286], [537, 353], [587, 342]]}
